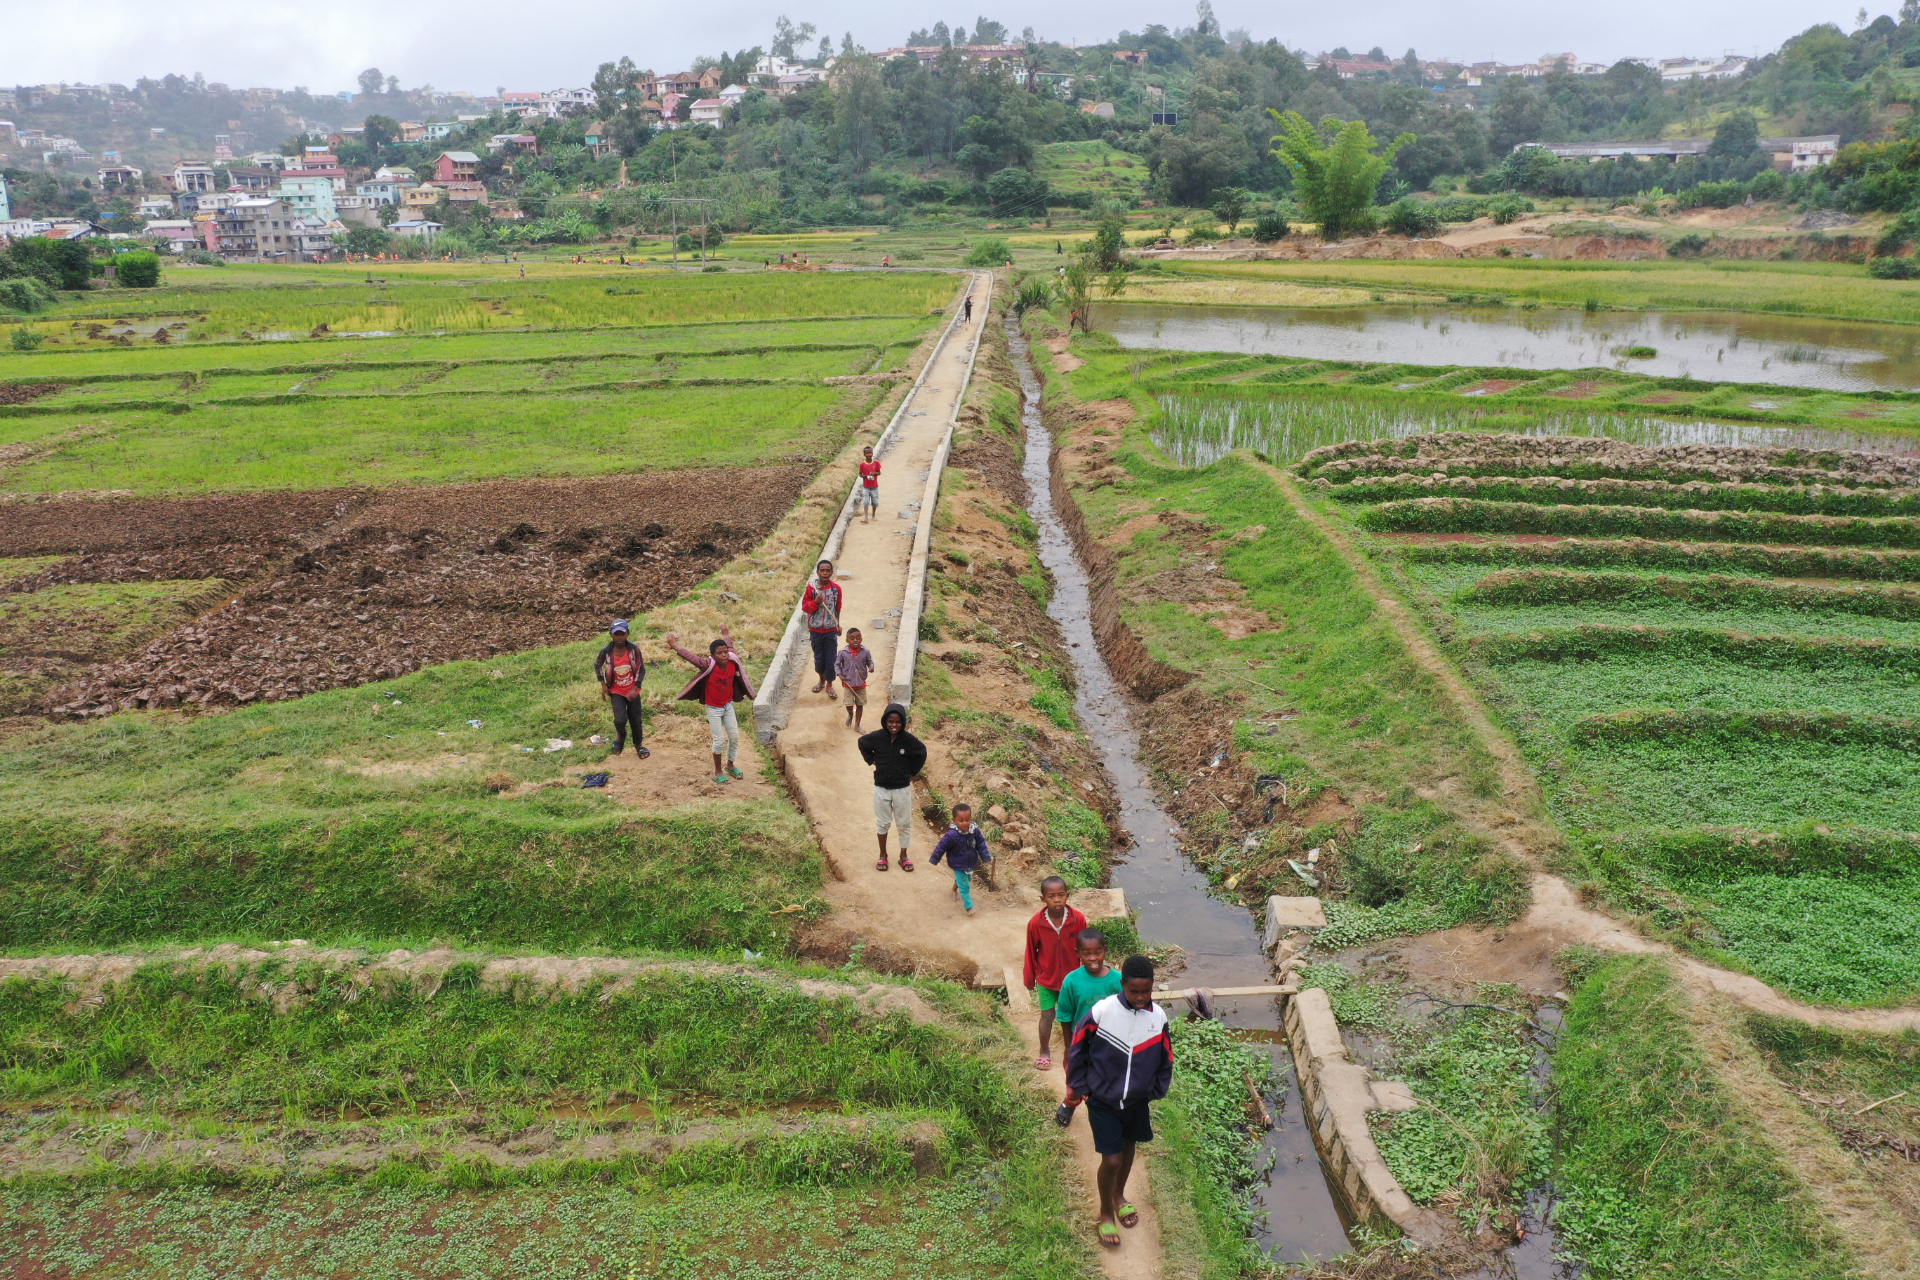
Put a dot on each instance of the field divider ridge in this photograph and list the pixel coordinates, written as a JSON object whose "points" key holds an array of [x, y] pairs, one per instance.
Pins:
{"points": [[774, 702]]}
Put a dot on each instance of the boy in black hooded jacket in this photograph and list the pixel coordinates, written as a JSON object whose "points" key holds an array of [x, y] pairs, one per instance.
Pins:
{"points": [[896, 756]]}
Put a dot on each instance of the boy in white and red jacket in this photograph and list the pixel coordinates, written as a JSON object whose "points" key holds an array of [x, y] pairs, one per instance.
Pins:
{"points": [[1119, 1060]]}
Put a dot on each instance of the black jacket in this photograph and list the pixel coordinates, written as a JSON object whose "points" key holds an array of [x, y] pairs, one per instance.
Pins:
{"points": [[894, 760]]}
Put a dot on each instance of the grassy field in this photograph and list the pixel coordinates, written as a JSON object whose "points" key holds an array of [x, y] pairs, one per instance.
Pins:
{"points": [[850, 1115], [1661, 1168], [104, 360], [487, 299], [1785, 288], [385, 441]]}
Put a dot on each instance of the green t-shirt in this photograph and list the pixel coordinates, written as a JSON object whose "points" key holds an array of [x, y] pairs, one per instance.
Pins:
{"points": [[1081, 991]]}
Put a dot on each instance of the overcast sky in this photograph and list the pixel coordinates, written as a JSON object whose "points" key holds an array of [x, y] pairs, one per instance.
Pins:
{"points": [[481, 45]]}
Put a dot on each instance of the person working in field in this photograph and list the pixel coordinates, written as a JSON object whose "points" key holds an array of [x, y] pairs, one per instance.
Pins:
{"points": [[896, 756], [620, 669], [823, 604], [869, 485], [720, 682]]}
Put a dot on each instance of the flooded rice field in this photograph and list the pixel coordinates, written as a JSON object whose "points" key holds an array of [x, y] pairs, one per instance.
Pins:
{"points": [[1194, 430], [1831, 355]]}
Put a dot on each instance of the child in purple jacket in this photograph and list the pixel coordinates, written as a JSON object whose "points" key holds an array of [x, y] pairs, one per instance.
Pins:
{"points": [[965, 849]]}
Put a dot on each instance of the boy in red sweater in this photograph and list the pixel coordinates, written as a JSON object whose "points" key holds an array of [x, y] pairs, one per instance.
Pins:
{"points": [[1052, 953]]}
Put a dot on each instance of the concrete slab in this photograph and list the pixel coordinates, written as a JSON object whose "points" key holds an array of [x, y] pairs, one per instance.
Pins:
{"points": [[1285, 915]]}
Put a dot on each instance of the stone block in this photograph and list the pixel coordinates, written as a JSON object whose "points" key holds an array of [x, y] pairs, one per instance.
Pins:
{"points": [[1392, 1095], [1284, 915]]}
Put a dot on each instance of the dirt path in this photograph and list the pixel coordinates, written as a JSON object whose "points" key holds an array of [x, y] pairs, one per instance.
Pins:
{"points": [[834, 785], [918, 910], [1557, 918]]}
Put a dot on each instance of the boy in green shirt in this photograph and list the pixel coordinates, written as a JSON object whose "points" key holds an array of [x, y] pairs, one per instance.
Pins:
{"points": [[1085, 987]]}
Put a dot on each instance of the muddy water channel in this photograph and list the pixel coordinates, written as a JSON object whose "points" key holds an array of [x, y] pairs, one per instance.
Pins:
{"points": [[1171, 898], [1716, 346]]}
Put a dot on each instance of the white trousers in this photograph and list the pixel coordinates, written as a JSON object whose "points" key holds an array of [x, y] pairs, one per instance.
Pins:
{"points": [[726, 730], [893, 807]]}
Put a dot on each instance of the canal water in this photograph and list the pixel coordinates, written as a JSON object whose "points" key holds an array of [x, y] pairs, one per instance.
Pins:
{"points": [[1716, 346], [1172, 899]]}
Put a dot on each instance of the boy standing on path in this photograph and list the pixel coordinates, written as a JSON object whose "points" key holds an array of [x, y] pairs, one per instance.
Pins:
{"points": [[822, 605], [720, 682], [896, 756], [1052, 953], [1120, 1060], [965, 849], [869, 485], [620, 668], [854, 664], [1085, 987]]}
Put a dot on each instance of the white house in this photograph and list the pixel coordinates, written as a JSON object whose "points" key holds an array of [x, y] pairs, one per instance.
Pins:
{"points": [[559, 102], [707, 111], [416, 228], [155, 207], [191, 175], [732, 94]]}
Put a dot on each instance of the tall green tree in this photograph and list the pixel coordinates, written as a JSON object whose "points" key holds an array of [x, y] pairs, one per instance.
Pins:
{"points": [[1335, 169], [1737, 137], [1230, 205]]}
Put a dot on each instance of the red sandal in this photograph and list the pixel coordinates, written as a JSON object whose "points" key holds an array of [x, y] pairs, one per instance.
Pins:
{"points": [[905, 865], [880, 865]]}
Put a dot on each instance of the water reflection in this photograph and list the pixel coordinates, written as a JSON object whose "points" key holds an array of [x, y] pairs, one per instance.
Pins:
{"points": [[1716, 346], [1195, 430]]}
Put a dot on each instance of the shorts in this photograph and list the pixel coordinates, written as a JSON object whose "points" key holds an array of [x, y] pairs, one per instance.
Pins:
{"points": [[1045, 999], [870, 497], [857, 695], [1113, 1128], [893, 807]]}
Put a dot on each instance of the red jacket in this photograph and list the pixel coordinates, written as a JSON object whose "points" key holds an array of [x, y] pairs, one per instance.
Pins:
{"points": [[1052, 953]]}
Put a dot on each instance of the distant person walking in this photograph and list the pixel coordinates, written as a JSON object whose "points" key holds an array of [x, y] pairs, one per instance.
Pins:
{"points": [[854, 665], [896, 756], [822, 604], [967, 308], [869, 485], [1119, 1060], [720, 682], [620, 669]]}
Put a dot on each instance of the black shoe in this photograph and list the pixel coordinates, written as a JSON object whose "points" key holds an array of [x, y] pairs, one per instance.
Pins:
{"points": [[1064, 1116]]}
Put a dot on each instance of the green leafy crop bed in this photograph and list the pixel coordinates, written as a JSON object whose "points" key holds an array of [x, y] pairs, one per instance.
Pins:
{"points": [[1662, 680]]}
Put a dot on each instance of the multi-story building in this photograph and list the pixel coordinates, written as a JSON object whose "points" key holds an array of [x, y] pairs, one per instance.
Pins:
{"points": [[311, 194], [192, 175], [267, 229]]}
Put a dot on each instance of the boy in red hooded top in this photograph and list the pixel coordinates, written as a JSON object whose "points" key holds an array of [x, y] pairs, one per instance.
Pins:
{"points": [[1052, 953]]}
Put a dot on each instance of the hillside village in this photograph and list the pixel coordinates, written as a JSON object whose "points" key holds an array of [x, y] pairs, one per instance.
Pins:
{"points": [[268, 175]]}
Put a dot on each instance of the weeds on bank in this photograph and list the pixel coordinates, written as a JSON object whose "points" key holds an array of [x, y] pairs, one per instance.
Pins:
{"points": [[1660, 1171]]}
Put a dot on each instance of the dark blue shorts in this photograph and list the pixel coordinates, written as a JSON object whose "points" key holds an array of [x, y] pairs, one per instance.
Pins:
{"points": [[1113, 1128]]}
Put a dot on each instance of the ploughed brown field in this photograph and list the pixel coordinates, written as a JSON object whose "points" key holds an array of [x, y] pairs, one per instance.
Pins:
{"points": [[336, 587]]}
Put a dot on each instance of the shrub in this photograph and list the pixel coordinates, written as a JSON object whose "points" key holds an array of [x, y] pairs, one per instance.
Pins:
{"points": [[1690, 245], [1409, 217], [27, 339], [1894, 269], [138, 270], [1508, 208], [1270, 226], [25, 293], [990, 252]]}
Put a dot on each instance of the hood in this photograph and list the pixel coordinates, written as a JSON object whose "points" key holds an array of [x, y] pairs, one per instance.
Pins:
{"points": [[891, 708]]}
